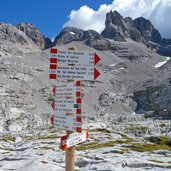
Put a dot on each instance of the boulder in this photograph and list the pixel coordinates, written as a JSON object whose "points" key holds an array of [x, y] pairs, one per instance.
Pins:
{"points": [[154, 139], [156, 99]]}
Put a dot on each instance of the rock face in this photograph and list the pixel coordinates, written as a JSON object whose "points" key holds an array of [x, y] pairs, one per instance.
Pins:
{"points": [[147, 30], [155, 101], [34, 34], [115, 27], [69, 34], [90, 37], [119, 29], [14, 40], [95, 40], [139, 29]]}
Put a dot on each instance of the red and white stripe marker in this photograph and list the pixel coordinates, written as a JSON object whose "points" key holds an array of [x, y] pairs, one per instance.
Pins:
{"points": [[53, 63], [53, 104], [73, 139]]}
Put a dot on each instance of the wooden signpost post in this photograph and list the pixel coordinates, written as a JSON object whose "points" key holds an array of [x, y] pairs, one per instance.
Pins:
{"points": [[68, 68]]}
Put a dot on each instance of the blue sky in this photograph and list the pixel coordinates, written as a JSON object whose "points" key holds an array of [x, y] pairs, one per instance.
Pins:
{"points": [[48, 16]]}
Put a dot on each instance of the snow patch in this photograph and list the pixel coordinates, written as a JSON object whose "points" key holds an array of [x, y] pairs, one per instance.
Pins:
{"points": [[72, 33], [162, 63]]}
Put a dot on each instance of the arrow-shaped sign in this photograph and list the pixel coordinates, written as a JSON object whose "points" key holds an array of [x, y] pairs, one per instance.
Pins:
{"points": [[68, 72], [73, 57], [73, 139]]}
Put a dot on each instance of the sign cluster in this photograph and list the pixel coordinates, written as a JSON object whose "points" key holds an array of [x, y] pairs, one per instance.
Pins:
{"points": [[69, 68], [67, 105], [73, 65]]}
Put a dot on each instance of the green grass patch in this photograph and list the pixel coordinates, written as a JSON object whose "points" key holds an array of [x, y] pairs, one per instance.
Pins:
{"points": [[8, 137], [48, 136], [95, 145], [168, 167], [142, 129], [156, 161], [140, 147], [103, 130], [163, 140], [46, 148]]}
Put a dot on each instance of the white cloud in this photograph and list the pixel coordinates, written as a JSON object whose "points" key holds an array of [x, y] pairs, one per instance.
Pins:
{"points": [[158, 11]]}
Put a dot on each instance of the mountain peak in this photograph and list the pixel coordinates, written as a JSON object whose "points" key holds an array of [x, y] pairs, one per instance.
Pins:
{"points": [[34, 34]]}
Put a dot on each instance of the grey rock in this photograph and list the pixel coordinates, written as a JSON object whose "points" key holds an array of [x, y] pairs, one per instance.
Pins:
{"points": [[90, 37], [69, 34], [15, 41], [129, 21], [34, 34], [95, 40], [115, 27], [47, 42], [168, 142], [155, 98], [164, 49], [135, 34], [147, 30], [154, 139]]}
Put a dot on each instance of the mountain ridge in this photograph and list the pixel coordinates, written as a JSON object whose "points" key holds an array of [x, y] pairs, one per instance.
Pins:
{"points": [[117, 28]]}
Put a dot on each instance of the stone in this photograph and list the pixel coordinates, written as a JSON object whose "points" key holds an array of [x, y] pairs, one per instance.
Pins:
{"points": [[168, 142], [154, 139], [156, 99]]}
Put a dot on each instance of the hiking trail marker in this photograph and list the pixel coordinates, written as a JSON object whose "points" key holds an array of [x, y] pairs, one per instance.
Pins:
{"points": [[67, 106], [73, 139], [67, 65], [73, 57], [73, 65]]}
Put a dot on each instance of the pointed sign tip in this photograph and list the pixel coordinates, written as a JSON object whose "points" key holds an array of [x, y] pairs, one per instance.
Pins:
{"points": [[87, 134], [96, 73], [53, 104], [96, 59], [52, 119], [54, 90]]}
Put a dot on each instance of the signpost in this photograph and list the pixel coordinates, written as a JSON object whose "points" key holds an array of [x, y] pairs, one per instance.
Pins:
{"points": [[67, 106], [70, 65], [73, 139], [73, 57], [69, 72], [68, 89], [67, 122]]}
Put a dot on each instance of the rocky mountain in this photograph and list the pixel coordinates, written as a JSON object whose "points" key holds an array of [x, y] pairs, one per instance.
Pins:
{"points": [[119, 29], [14, 41], [34, 34], [115, 27], [127, 109]]}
